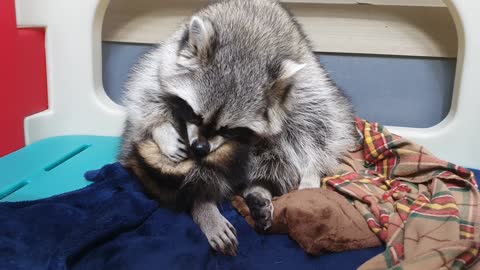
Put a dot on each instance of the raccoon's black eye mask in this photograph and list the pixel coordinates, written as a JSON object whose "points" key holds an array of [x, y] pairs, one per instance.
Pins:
{"points": [[241, 134], [185, 113], [182, 110]]}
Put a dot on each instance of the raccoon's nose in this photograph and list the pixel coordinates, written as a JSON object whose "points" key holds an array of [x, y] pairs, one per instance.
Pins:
{"points": [[200, 148]]}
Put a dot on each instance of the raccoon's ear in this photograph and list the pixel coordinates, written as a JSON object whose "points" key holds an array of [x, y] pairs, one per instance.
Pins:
{"points": [[278, 93], [288, 69], [285, 73], [199, 45], [201, 34]]}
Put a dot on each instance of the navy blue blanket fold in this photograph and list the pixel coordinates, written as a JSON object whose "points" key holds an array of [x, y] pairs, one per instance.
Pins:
{"points": [[112, 224]]}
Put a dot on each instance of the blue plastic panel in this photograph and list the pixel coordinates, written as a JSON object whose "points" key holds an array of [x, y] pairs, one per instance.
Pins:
{"points": [[118, 59], [395, 91]]}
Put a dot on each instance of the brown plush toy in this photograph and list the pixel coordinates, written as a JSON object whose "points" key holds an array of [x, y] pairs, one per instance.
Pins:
{"points": [[319, 220]]}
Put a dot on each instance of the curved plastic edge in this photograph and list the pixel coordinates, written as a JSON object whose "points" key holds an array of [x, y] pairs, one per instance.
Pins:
{"points": [[456, 137]]}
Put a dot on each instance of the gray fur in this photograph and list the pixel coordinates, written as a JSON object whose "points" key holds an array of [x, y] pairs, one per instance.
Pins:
{"points": [[220, 233], [250, 61]]}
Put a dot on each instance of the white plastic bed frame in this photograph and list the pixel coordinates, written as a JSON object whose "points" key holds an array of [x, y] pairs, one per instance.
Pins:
{"points": [[78, 104]]}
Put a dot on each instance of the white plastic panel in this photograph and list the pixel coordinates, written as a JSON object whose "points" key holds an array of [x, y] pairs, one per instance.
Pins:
{"points": [[78, 104], [76, 98]]}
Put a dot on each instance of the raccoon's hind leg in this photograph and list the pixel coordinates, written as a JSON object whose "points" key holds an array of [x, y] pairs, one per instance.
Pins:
{"points": [[221, 235], [259, 201], [270, 174]]}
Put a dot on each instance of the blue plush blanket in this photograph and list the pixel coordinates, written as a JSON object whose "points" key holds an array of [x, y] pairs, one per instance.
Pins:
{"points": [[111, 224]]}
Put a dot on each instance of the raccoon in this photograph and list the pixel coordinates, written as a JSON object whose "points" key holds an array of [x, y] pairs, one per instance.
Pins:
{"points": [[235, 98]]}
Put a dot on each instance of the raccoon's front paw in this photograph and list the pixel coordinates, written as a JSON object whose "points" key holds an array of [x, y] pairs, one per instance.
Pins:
{"points": [[222, 236], [170, 143], [261, 209]]}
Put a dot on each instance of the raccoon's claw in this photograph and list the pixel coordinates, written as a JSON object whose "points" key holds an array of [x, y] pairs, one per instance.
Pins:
{"points": [[180, 153], [222, 238], [221, 235], [261, 209]]}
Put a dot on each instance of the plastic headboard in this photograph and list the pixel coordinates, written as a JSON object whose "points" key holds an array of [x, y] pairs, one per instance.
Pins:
{"points": [[78, 103]]}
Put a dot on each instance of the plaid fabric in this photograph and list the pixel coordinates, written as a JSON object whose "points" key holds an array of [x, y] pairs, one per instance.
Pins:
{"points": [[425, 209]]}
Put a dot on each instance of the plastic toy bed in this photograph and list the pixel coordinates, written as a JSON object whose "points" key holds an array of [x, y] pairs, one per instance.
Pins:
{"points": [[79, 130]]}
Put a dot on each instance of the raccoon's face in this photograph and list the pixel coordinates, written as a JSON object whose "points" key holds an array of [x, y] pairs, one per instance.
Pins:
{"points": [[227, 92], [204, 134]]}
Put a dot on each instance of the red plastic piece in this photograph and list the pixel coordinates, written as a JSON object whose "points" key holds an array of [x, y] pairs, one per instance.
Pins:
{"points": [[23, 79]]}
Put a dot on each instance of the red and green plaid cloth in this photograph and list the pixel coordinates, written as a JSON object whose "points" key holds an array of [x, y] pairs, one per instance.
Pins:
{"points": [[425, 209]]}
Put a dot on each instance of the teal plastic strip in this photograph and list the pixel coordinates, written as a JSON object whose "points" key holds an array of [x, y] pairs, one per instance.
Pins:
{"points": [[67, 157], [53, 166]]}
